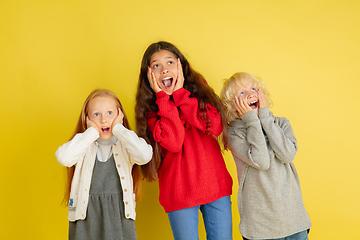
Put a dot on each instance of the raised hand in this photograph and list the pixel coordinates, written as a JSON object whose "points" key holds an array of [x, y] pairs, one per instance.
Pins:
{"points": [[90, 123], [152, 80], [241, 106], [180, 76], [262, 99], [119, 118]]}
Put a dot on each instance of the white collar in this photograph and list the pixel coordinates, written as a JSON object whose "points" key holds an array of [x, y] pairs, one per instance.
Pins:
{"points": [[104, 149]]}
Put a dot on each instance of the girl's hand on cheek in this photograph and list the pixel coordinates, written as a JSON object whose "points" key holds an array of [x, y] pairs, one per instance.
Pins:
{"points": [[119, 118], [180, 76], [90, 123], [152, 80], [241, 106], [262, 99]]}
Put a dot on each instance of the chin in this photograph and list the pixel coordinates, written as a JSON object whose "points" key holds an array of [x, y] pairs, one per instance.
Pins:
{"points": [[168, 91], [106, 137]]}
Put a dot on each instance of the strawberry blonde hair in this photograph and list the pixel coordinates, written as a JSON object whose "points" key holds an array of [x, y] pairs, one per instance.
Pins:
{"points": [[228, 92], [81, 127]]}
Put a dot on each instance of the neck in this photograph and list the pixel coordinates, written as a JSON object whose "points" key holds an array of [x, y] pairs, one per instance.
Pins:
{"points": [[109, 141]]}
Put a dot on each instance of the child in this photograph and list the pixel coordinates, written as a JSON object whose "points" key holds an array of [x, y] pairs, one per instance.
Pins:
{"points": [[263, 146], [180, 115], [100, 158]]}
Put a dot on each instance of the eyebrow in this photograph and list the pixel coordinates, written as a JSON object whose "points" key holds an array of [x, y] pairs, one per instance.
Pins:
{"points": [[158, 59]]}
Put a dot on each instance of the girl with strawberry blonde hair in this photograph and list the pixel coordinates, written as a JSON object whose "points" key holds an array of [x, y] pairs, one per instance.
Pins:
{"points": [[102, 159]]}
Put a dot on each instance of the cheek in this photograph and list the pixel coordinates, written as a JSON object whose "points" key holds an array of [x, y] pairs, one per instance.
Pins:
{"points": [[112, 118], [94, 120], [174, 70], [239, 95], [156, 72]]}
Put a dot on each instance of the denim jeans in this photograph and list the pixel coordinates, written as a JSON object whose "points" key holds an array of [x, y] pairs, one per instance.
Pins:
{"points": [[297, 236], [217, 220]]}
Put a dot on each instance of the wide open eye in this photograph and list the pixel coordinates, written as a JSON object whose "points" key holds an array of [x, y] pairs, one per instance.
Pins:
{"points": [[110, 112], [155, 66], [170, 62], [242, 94], [253, 89], [96, 114]]}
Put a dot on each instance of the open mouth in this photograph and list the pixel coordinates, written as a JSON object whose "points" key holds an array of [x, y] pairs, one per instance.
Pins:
{"points": [[105, 129], [167, 82], [254, 104]]}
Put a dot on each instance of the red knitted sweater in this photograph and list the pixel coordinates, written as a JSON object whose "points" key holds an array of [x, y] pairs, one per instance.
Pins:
{"points": [[192, 171]]}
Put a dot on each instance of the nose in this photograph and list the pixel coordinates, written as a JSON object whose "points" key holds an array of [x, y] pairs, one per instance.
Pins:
{"points": [[248, 94], [103, 120], [164, 71], [251, 94]]}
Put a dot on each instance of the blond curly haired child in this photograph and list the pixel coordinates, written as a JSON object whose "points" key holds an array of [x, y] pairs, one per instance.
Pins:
{"points": [[263, 146]]}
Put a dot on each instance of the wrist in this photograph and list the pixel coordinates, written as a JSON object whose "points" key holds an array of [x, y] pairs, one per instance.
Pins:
{"points": [[264, 112]]}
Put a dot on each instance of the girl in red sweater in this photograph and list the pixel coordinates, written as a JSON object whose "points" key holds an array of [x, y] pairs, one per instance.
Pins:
{"points": [[180, 115]]}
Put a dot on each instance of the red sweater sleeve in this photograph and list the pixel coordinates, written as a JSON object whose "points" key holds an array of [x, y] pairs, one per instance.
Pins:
{"points": [[166, 125], [190, 109]]}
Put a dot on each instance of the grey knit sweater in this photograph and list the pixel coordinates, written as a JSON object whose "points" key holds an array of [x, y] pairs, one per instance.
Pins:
{"points": [[269, 198]]}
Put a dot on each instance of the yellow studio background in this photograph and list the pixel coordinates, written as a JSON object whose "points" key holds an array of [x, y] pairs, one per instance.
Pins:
{"points": [[54, 53]]}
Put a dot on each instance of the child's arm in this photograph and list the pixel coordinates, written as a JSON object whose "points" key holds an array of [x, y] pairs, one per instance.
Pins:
{"points": [[248, 142], [166, 125], [190, 109], [280, 135], [69, 153], [140, 152]]}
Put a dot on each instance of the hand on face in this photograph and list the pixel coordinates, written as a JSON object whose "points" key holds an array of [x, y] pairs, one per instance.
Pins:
{"points": [[90, 123], [180, 76], [241, 106], [152, 80], [262, 99], [119, 118]]}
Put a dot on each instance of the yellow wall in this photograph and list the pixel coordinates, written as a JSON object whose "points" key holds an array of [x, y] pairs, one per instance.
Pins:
{"points": [[53, 53]]}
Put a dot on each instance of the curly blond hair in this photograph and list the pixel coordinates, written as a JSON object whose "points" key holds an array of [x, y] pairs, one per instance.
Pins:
{"points": [[228, 92]]}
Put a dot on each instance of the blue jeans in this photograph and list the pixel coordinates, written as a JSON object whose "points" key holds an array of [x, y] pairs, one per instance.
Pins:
{"points": [[297, 236], [217, 220]]}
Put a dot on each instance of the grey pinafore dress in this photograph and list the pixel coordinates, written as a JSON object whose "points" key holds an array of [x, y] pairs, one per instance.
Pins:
{"points": [[105, 217]]}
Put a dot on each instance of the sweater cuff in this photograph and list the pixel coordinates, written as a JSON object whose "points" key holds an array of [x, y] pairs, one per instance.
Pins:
{"points": [[119, 130], [90, 134], [161, 94], [179, 94], [264, 112], [249, 117]]}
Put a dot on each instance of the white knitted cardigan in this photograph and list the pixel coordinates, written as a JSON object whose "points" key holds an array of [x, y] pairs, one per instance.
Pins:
{"points": [[128, 150]]}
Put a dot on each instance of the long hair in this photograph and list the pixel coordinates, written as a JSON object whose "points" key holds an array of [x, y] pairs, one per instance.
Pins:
{"points": [[228, 92], [81, 127], [194, 82]]}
